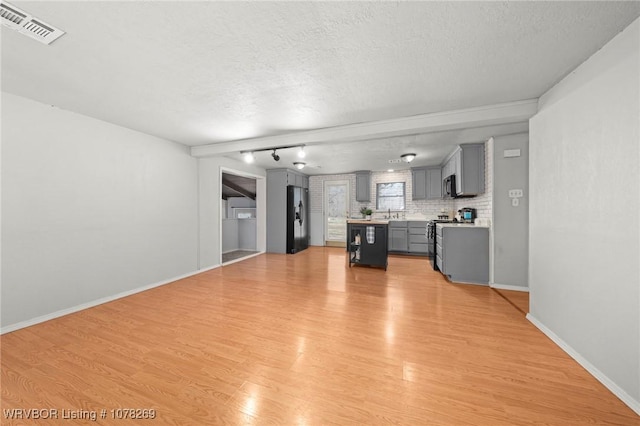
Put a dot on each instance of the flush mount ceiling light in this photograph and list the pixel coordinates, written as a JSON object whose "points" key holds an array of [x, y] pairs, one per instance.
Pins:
{"points": [[248, 157], [299, 165], [301, 153], [407, 158]]}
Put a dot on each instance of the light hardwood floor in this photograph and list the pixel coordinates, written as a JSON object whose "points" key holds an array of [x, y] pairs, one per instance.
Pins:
{"points": [[519, 299], [305, 340]]}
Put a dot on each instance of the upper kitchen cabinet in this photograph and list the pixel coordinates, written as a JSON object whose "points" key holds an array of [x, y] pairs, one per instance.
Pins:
{"points": [[296, 179], [467, 164], [426, 183], [363, 185]]}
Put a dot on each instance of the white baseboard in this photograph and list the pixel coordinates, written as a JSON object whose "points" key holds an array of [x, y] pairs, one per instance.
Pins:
{"points": [[599, 375], [509, 287], [67, 311]]}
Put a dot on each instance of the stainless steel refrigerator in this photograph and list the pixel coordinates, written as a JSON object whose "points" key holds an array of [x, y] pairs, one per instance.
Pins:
{"points": [[297, 219]]}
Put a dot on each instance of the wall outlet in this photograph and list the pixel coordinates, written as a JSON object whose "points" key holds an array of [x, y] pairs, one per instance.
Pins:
{"points": [[515, 193], [515, 202]]}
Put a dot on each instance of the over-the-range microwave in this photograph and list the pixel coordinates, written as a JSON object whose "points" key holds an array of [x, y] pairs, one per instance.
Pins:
{"points": [[449, 186]]}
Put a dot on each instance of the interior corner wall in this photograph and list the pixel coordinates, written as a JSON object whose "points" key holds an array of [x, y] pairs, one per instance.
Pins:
{"points": [[90, 210], [584, 225], [210, 200], [510, 224]]}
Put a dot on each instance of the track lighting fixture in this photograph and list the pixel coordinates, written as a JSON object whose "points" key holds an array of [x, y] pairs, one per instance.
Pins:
{"points": [[249, 158], [407, 158]]}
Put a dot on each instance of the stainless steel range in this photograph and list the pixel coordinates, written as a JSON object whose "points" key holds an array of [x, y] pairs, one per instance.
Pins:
{"points": [[431, 240]]}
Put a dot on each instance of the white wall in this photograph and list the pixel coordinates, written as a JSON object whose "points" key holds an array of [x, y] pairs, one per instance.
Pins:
{"points": [[210, 197], [584, 224], [89, 210]]}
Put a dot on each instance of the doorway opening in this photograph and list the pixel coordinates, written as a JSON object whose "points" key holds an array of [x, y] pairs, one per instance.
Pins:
{"points": [[238, 213], [336, 212]]}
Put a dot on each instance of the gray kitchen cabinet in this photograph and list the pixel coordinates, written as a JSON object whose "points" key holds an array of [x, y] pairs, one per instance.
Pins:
{"points": [[468, 165], [419, 183], [434, 183], [449, 167], [426, 183], [408, 237], [398, 236], [471, 167], [363, 185], [418, 237], [462, 253], [277, 181]]}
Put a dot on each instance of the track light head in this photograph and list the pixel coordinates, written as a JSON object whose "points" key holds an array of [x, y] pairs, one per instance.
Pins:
{"points": [[275, 156]]}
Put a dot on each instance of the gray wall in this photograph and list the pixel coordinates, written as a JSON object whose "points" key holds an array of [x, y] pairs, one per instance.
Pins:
{"points": [[277, 211], [510, 224], [584, 225], [89, 210], [230, 235], [247, 234]]}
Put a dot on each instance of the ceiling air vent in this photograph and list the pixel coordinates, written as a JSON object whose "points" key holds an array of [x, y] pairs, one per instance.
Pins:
{"points": [[26, 24]]}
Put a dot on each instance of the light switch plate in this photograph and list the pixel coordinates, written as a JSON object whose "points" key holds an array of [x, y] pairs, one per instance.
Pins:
{"points": [[509, 153], [515, 193]]}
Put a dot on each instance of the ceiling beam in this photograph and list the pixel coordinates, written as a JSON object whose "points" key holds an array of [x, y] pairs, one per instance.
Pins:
{"points": [[505, 113], [240, 190]]}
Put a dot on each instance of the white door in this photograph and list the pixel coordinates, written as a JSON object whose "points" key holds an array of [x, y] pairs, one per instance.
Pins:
{"points": [[336, 212]]}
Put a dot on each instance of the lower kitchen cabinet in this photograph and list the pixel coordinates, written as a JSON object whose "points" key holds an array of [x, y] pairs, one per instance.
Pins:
{"points": [[398, 239], [370, 251], [462, 253], [408, 237], [418, 237]]}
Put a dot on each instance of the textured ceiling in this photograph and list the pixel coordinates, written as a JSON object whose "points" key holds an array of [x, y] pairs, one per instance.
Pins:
{"points": [[208, 72]]}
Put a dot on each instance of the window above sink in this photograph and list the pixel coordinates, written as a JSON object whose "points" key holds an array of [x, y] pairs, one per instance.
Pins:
{"points": [[390, 196]]}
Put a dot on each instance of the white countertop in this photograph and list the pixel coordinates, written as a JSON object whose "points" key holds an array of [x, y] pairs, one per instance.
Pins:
{"points": [[368, 222], [461, 225]]}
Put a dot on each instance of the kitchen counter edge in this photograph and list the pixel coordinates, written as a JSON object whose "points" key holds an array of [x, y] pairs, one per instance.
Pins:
{"points": [[367, 222]]}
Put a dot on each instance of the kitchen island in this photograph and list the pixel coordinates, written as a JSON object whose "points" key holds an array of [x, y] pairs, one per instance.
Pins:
{"points": [[367, 242]]}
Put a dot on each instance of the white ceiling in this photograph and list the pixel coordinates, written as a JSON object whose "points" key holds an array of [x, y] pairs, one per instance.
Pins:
{"points": [[202, 73]]}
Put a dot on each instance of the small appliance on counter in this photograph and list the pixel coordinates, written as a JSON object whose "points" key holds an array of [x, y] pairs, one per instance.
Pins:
{"points": [[467, 215]]}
